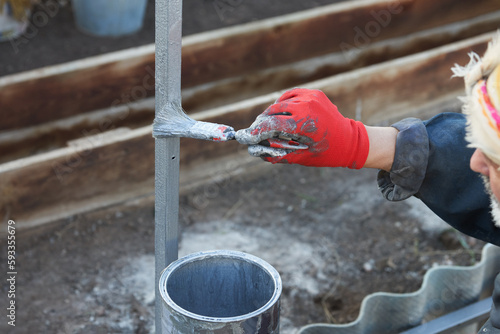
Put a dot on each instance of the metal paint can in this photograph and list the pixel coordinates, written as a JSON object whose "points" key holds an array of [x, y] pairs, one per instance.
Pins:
{"points": [[220, 292]]}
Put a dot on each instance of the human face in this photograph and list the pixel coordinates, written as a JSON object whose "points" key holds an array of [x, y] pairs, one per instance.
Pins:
{"points": [[480, 163]]}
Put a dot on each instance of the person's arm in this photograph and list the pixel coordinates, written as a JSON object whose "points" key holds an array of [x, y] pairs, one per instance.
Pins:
{"points": [[431, 162], [382, 147], [428, 160], [310, 119]]}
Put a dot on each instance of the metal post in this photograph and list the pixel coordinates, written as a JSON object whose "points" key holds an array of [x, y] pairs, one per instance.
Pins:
{"points": [[168, 36], [171, 123]]}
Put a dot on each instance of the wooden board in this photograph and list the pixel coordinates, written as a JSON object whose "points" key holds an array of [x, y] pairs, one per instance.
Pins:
{"points": [[39, 138], [93, 174], [118, 165], [259, 82], [60, 91], [346, 26], [350, 29]]}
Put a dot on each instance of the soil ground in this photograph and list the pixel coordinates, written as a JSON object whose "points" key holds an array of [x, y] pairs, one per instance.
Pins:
{"points": [[329, 232], [53, 38]]}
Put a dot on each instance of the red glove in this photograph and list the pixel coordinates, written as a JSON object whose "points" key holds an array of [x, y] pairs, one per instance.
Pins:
{"points": [[307, 117]]}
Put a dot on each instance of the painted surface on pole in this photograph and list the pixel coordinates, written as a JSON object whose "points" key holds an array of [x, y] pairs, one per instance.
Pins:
{"points": [[168, 38]]}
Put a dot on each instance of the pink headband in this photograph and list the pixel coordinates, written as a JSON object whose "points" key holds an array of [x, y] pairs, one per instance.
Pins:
{"points": [[488, 110]]}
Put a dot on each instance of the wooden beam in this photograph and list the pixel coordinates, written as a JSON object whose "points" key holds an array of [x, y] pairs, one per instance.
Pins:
{"points": [[343, 27], [260, 82], [354, 31], [18, 143], [60, 91], [37, 139], [113, 166], [94, 173]]}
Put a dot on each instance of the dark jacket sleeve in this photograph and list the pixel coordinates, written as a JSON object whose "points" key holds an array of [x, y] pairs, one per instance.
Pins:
{"points": [[432, 164]]}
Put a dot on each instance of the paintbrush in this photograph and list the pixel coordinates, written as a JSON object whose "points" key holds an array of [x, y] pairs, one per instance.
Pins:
{"points": [[179, 124]]}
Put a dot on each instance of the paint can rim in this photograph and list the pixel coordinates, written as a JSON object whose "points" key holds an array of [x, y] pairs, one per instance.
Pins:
{"points": [[199, 256]]}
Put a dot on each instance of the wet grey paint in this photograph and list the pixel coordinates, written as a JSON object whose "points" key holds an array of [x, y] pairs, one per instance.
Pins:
{"points": [[173, 122], [170, 120]]}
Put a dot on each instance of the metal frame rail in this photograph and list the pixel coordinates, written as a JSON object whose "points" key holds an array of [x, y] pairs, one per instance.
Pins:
{"points": [[451, 322]]}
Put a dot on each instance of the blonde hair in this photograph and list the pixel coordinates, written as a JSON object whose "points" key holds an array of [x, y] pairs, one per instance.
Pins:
{"points": [[480, 134]]}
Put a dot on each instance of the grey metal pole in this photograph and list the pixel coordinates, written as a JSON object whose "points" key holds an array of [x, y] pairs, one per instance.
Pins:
{"points": [[168, 37], [171, 123]]}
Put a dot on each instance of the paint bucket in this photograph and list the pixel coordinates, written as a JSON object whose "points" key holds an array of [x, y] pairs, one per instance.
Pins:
{"points": [[10, 25], [220, 292], [110, 17]]}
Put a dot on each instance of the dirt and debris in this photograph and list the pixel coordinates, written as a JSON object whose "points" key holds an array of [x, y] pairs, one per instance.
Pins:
{"points": [[329, 232]]}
